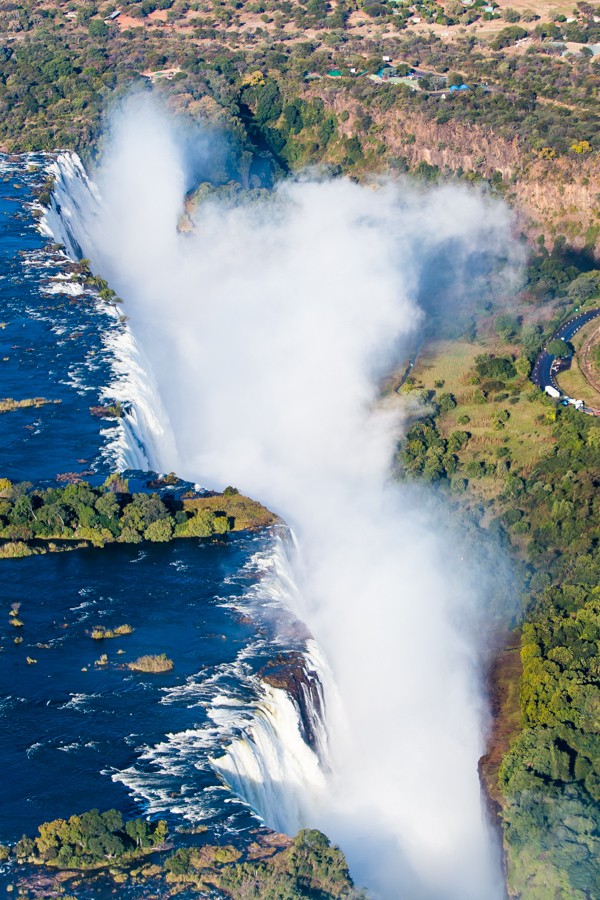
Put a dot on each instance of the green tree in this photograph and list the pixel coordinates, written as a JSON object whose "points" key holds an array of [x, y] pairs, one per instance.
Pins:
{"points": [[455, 79], [97, 28], [143, 510], [117, 483], [507, 326], [130, 535], [201, 525], [139, 831], [221, 524], [159, 531], [488, 366], [559, 348], [107, 505], [22, 511], [585, 287], [24, 848], [457, 440], [292, 113], [446, 402]]}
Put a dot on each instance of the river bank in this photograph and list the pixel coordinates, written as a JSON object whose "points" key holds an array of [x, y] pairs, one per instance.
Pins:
{"points": [[98, 854]]}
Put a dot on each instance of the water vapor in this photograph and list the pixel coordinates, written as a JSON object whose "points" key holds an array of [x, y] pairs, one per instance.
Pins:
{"points": [[267, 332]]}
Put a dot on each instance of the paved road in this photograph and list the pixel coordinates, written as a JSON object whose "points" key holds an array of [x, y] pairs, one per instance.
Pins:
{"points": [[546, 364]]}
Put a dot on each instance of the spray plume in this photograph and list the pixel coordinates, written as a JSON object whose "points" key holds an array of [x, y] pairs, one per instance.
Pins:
{"points": [[267, 332]]}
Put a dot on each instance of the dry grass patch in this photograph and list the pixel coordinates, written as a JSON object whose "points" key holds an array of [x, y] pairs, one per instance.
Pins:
{"points": [[8, 404], [152, 663], [15, 550], [243, 512], [573, 383], [447, 361], [100, 633]]}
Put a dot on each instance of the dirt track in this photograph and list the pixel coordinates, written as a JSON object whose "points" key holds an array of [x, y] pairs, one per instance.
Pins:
{"points": [[589, 370]]}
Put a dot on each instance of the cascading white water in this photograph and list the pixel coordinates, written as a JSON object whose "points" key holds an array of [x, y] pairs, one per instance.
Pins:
{"points": [[266, 333], [273, 762], [272, 767], [269, 763], [143, 435]]}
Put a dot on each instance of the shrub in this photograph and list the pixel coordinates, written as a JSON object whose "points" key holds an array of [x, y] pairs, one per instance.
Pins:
{"points": [[446, 402], [152, 663], [159, 531], [496, 367], [100, 633], [15, 550]]}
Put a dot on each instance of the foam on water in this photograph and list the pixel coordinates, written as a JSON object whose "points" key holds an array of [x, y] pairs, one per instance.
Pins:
{"points": [[267, 761], [132, 441], [271, 766], [254, 738]]}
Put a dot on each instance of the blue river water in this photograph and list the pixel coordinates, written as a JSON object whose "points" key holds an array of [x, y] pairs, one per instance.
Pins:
{"points": [[69, 724], [78, 731], [50, 347]]}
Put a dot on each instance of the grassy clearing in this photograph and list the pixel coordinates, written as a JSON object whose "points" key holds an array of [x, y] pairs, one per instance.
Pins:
{"points": [[579, 339], [244, 512], [447, 361], [573, 383], [526, 437], [527, 434]]}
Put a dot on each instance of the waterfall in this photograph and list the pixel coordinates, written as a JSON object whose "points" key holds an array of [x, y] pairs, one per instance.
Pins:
{"points": [[143, 438], [272, 767], [278, 762], [277, 757], [262, 338], [74, 199]]}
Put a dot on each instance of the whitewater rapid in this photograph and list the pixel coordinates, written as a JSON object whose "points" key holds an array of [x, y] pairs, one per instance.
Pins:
{"points": [[142, 433], [393, 775], [268, 762]]}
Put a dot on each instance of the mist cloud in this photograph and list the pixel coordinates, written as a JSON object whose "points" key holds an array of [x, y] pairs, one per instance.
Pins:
{"points": [[267, 332]]}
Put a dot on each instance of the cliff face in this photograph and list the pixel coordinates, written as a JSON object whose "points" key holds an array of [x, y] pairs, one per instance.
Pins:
{"points": [[554, 196], [291, 672]]}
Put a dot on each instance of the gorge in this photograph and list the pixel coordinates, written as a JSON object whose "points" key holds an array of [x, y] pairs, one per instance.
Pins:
{"points": [[261, 341]]}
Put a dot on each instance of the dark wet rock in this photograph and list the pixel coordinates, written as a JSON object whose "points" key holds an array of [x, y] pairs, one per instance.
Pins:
{"points": [[291, 672]]}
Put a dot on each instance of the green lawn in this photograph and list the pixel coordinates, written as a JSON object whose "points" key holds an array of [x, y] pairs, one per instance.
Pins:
{"points": [[528, 433]]}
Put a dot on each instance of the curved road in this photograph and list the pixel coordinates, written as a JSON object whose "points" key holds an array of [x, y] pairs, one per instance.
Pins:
{"points": [[545, 364]]}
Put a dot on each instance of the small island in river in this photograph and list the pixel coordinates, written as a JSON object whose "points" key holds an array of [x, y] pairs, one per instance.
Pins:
{"points": [[44, 519], [102, 850]]}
